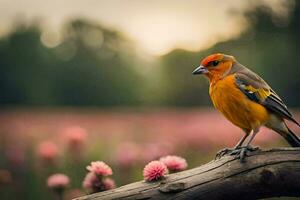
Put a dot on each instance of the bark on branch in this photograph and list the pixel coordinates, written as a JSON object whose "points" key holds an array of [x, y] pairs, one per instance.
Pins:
{"points": [[265, 174]]}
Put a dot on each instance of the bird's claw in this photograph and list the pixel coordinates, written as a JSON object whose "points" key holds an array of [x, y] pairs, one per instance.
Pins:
{"points": [[224, 152], [238, 152], [243, 152]]}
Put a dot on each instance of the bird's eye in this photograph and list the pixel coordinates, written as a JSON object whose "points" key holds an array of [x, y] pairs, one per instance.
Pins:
{"points": [[215, 63]]}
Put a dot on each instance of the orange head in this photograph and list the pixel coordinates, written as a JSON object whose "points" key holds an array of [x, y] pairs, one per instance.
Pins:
{"points": [[215, 66]]}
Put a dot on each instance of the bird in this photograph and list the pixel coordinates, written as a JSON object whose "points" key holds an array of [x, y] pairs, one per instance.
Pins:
{"points": [[246, 100]]}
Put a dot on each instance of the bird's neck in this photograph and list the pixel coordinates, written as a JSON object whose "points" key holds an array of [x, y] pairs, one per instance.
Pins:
{"points": [[213, 79]]}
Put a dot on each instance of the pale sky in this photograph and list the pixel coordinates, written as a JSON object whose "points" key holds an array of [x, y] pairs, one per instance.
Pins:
{"points": [[157, 26]]}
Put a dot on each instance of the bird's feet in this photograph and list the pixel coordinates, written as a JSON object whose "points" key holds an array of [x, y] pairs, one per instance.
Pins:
{"points": [[225, 151], [243, 152], [238, 152]]}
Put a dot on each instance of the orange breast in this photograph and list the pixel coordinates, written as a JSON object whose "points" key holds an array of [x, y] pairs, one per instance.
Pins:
{"points": [[235, 106]]}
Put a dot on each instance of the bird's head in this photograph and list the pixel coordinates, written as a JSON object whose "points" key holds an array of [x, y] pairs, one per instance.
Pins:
{"points": [[215, 65]]}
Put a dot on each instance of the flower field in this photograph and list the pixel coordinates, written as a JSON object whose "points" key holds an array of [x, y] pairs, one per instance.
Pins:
{"points": [[36, 144]]}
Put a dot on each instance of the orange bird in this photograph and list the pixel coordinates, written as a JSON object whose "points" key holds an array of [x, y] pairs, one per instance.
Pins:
{"points": [[246, 100]]}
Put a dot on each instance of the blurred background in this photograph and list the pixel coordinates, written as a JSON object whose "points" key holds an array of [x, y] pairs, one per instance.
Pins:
{"points": [[111, 80]]}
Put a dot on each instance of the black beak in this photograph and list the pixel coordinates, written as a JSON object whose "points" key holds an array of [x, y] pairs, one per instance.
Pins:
{"points": [[200, 70]]}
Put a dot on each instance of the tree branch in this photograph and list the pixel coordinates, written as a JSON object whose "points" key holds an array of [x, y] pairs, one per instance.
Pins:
{"points": [[265, 174]]}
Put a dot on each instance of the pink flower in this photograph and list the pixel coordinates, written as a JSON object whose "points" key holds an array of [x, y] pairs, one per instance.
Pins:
{"points": [[109, 184], [48, 151], [155, 170], [75, 135], [174, 163], [92, 183], [75, 138], [99, 168], [58, 181]]}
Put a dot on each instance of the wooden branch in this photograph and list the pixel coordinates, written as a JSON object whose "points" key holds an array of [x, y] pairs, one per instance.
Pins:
{"points": [[265, 174]]}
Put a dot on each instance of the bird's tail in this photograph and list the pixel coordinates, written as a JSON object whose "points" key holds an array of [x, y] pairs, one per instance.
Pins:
{"points": [[290, 136], [278, 125]]}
